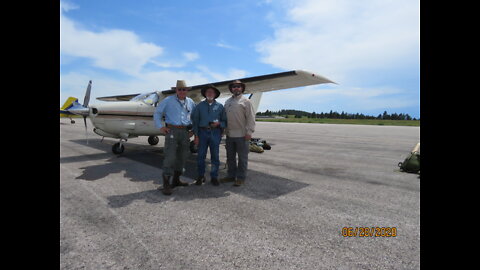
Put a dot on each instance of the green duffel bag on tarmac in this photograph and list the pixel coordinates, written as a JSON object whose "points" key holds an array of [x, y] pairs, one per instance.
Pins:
{"points": [[412, 163], [255, 148]]}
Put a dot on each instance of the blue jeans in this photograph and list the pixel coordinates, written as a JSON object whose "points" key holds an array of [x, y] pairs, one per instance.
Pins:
{"points": [[209, 138]]}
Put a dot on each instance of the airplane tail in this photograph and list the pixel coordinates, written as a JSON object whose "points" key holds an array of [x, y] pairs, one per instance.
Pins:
{"points": [[255, 99], [68, 104]]}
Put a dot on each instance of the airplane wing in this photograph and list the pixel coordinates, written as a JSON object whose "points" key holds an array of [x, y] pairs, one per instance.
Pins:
{"points": [[263, 83], [118, 98]]}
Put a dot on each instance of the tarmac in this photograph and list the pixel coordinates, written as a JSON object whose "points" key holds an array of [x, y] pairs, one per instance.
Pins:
{"points": [[291, 213]]}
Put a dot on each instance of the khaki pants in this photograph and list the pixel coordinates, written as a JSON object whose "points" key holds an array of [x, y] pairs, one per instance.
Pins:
{"points": [[176, 150]]}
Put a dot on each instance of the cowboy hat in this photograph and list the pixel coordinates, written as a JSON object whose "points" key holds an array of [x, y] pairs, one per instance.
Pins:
{"points": [[204, 89], [236, 82], [181, 84]]}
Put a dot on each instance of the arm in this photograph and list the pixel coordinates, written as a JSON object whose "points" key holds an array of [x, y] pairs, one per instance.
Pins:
{"points": [[250, 116], [223, 118], [195, 117], [157, 115]]}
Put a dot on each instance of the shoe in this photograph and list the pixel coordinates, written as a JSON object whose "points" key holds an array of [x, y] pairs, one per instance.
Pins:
{"points": [[239, 182], [199, 180], [227, 179], [215, 182], [176, 180], [166, 185]]}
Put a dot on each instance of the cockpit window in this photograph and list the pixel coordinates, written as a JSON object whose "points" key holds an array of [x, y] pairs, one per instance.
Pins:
{"points": [[151, 99], [148, 98]]}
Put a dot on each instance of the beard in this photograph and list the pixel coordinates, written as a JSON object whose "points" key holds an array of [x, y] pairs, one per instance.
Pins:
{"points": [[237, 93]]}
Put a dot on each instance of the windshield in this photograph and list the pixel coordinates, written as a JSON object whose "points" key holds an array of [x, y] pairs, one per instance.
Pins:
{"points": [[148, 98]]}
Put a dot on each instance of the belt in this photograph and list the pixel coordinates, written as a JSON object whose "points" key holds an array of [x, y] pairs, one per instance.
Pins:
{"points": [[173, 126], [208, 128]]}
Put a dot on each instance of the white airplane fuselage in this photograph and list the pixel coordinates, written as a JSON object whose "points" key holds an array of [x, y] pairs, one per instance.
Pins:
{"points": [[123, 119]]}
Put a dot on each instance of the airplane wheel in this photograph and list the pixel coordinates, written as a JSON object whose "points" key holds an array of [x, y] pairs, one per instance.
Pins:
{"points": [[193, 147], [153, 140], [117, 148], [72, 122]]}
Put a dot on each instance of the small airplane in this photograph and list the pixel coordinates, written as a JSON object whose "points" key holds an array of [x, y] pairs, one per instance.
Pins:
{"points": [[64, 109], [130, 116]]}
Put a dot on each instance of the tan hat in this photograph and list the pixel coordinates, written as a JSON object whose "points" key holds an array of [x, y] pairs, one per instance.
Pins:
{"points": [[236, 82], [181, 84]]}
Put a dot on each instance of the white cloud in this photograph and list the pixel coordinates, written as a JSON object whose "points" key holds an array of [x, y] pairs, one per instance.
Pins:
{"points": [[187, 57], [223, 44], [348, 42], [231, 74], [66, 6], [338, 37], [191, 56], [110, 49]]}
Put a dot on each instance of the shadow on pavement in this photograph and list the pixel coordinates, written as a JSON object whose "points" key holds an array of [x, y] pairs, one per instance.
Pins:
{"points": [[258, 185]]}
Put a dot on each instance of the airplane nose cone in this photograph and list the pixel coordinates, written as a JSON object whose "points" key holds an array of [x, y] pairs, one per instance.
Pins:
{"points": [[80, 110]]}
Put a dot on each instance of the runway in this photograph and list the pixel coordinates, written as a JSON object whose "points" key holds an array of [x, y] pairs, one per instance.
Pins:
{"points": [[316, 180]]}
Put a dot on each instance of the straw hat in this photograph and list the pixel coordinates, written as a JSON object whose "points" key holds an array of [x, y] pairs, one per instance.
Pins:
{"points": [[204, 89]]}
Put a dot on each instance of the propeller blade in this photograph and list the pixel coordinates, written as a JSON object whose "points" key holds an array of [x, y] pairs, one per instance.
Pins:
{"points": [[87, 94], [86, 132]]}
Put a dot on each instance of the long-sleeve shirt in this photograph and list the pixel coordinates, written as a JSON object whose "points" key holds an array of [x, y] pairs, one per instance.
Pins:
{"points": [[240, 115], [176, 112], [204, 113]]}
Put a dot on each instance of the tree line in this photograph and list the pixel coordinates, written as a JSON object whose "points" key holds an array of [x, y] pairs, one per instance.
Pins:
{"points": [[336, 115]]}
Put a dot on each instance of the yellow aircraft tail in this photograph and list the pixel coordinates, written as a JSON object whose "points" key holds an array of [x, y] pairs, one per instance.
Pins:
{"points": [[66, 106]]}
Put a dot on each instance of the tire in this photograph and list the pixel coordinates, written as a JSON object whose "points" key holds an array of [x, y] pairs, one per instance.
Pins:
{"points": [[117, 148], [153, 140]]}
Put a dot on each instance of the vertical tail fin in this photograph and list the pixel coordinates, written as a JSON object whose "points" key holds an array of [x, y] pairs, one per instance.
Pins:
{"points": [[69, 103]]}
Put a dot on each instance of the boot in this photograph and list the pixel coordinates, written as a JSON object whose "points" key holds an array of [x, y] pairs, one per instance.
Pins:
{"points": [[166, 185], [176, 180], [227, 179], [199, 180], [239, 182], [215, 182]]}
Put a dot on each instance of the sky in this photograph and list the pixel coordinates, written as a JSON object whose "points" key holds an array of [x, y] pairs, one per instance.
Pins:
{"points": [[370, 48]]}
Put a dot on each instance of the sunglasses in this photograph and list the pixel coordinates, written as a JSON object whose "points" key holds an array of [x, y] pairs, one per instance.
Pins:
{"points": [[236, 86], [182, 89]]}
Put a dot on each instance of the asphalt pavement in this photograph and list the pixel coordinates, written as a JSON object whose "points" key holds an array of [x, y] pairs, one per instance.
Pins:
{"points": [[318, 183]]}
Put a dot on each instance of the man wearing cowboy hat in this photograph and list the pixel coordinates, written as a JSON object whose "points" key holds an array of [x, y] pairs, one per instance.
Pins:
{"points": [[177, 110], [209, 120], [241, 125]]}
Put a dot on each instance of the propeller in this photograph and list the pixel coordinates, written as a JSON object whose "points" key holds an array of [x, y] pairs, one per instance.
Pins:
{"points": [[86, 100], [83, 110]]}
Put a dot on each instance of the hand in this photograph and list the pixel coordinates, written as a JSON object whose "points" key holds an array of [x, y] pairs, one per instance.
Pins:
{"points": [[215, 124], [164, 130], [196, 140], [248, 137]]}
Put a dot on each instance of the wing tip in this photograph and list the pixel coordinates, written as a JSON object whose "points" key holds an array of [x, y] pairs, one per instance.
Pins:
{"points": [[314, 75]]}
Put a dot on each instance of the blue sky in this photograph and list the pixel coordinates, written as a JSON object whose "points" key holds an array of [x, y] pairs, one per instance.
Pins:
{"points": [[370, 48]]}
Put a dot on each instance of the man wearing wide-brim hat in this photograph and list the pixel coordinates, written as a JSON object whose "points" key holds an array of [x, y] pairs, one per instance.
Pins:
{"points": [[209, 120], [241, 125], [177, 110]]}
